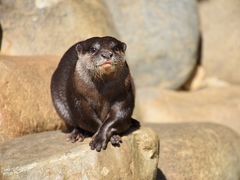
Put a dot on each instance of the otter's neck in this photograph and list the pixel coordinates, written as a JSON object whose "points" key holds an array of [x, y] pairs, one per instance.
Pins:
{"points": [[118, 75]]}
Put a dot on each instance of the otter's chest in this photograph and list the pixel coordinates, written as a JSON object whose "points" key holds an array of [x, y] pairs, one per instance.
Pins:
{"points": [[101, 107], [102, 100], [96, 97], [98, 104]]}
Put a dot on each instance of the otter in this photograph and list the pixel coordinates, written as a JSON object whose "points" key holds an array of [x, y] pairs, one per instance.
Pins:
{"points": [[93, 91]]}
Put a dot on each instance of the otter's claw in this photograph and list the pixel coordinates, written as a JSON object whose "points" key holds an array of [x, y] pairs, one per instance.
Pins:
{"points": [[98, 142], [116, 140], [75, 135]]}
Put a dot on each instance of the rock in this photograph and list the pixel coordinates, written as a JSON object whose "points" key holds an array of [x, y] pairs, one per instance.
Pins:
{"points": [[162, 39], [43, 27], [216, 105], [215, 82], [48, 156], [221, 37], [25, 101], [198, 151]]}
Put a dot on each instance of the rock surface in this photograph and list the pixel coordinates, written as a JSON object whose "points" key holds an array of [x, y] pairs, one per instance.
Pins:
{"points": [[48, 156], [198, 151], [217, 105], [43, 27], [162, 39], [25, 101], [221, 38]]}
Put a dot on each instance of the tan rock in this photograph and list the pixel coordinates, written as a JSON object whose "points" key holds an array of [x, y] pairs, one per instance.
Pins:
{"points": [[217, 105], [215, 82], [50, 27], [198, 151], [25, 101], [221, 38], [48, 156]]}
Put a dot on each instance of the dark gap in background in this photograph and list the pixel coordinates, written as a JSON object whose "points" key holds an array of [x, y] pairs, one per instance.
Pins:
{"points": [[160, 175], [186, 85], [1, 35], [199, 50]]}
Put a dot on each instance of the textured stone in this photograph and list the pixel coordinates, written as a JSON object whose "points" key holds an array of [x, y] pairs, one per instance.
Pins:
{"points": [[221, 38], [48, 156], [162, 39], [43, 27], [218, 105], [198, 151], [25, 101]]}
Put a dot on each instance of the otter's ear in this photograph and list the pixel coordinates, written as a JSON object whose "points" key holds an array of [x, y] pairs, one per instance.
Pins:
{"points": [[124, 46], [79, 49]]}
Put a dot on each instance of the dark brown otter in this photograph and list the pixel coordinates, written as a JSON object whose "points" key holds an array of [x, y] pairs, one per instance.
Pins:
{"points": [[93, 91]]}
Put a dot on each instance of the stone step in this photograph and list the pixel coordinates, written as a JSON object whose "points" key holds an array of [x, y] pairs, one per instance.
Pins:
{"points": [[49, 156]]}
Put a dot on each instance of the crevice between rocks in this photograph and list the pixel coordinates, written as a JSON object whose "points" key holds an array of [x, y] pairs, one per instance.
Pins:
{"points": [[187, 84], [160, 175], [1, 34]]}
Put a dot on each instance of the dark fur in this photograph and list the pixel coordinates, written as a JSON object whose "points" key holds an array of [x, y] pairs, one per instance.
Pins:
{"points": [[90, 99]]}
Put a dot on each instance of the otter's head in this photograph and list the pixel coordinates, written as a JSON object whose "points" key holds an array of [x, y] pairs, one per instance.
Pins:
{"points": [[102, 56]]}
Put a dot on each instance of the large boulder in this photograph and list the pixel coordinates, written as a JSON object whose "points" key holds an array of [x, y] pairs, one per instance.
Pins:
{"points": [[25, 101], [50, 27], [221, 36], [49, 156], [218, 105], [198, 151], [162, 39]]}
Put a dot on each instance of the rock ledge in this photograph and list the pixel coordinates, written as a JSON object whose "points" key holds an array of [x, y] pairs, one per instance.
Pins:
{"points": [[48, 156]]}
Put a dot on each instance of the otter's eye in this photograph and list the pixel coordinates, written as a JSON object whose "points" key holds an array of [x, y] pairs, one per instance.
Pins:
{"points": [[93, 50], [116, 48]]}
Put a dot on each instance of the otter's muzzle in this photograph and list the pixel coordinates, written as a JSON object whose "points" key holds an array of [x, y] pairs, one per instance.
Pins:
{"points": [[107, 54]]}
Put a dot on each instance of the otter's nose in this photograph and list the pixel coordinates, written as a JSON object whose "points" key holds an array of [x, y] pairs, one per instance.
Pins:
{"points": [[107, 54]]}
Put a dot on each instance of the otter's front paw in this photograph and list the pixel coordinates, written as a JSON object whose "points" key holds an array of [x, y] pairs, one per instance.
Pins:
{"points": [[99, 141]]}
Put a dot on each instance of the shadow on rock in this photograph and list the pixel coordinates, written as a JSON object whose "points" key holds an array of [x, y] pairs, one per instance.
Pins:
{"points": [[160, 175], [135, 126], [1, 34], [199, 55]]}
